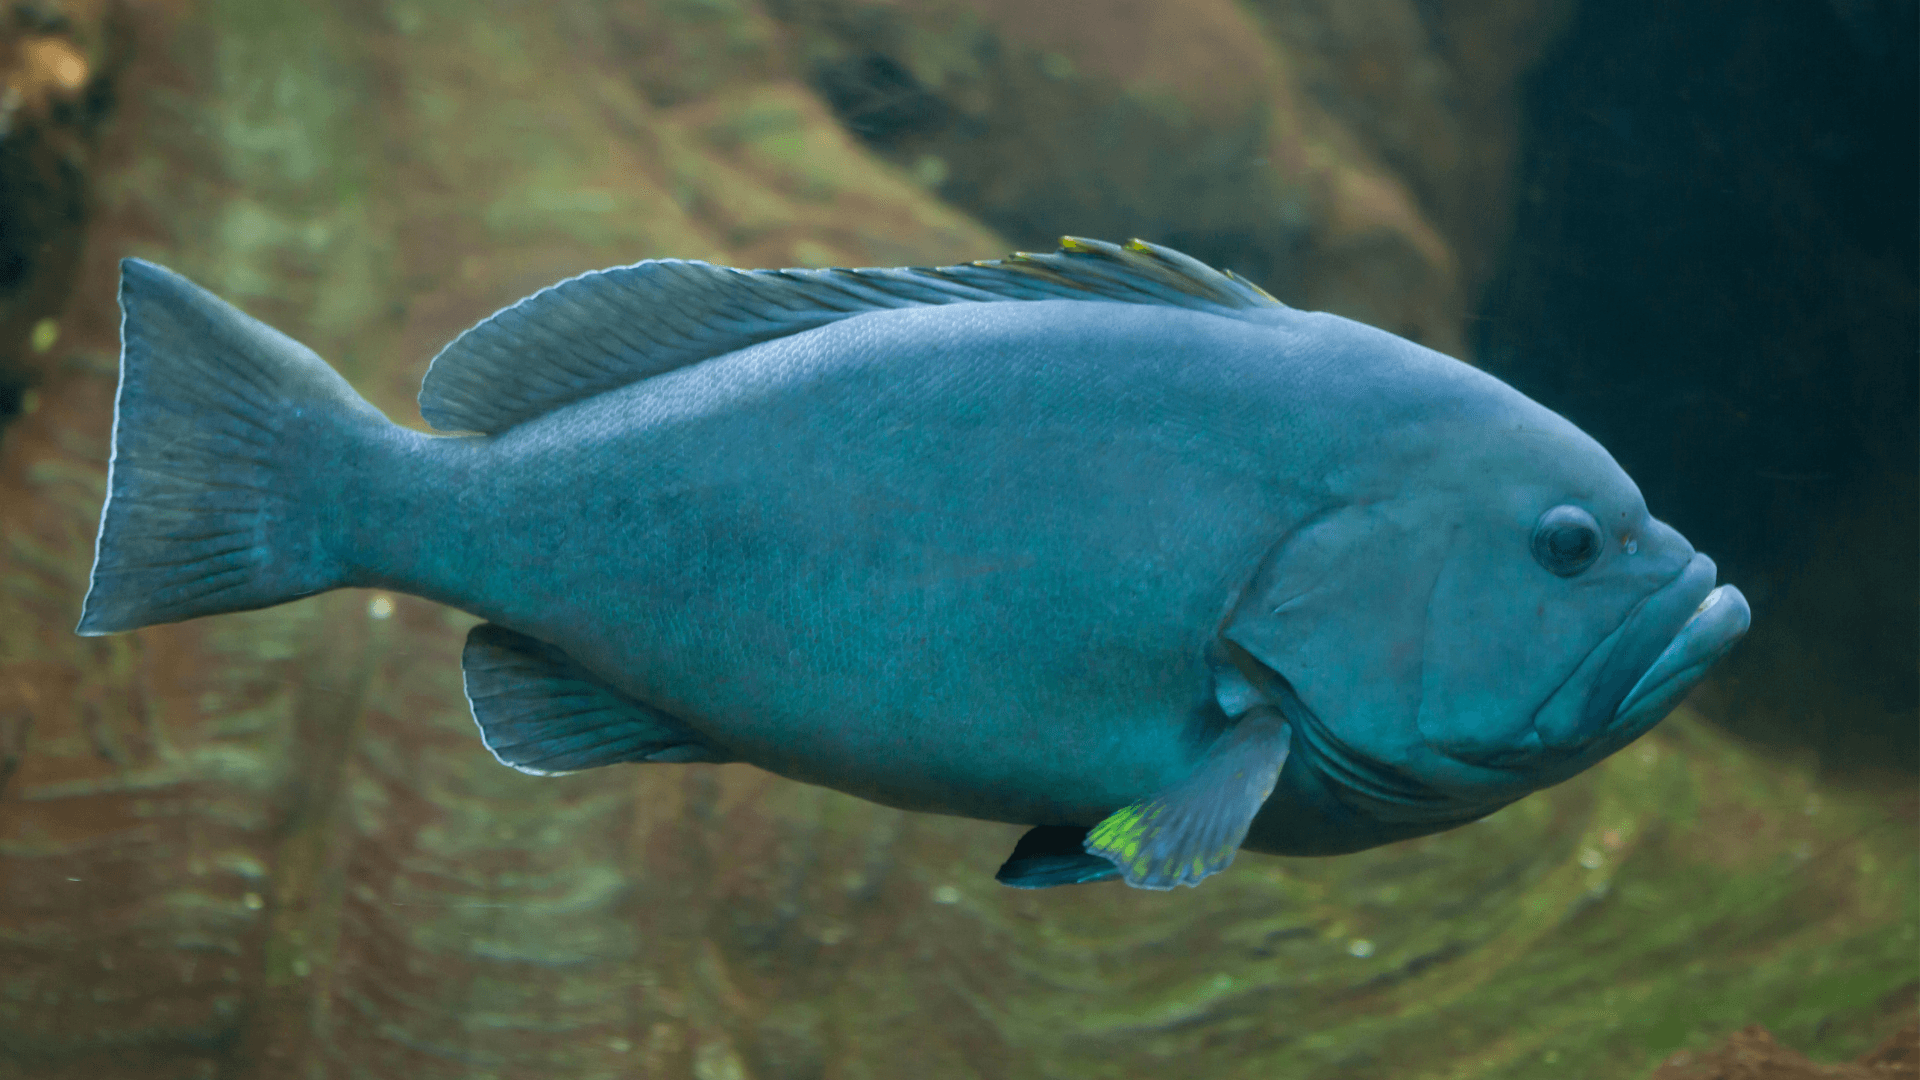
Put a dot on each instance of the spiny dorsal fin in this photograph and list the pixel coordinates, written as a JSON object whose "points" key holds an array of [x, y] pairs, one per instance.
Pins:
{"points": [[593, 333]]}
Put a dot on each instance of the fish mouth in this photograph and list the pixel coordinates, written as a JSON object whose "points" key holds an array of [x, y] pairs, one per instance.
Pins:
{"points": [[1720, 620], [1659, 652]]}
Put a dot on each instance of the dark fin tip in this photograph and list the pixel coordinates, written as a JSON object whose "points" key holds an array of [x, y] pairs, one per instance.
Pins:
{"points": [[1053, 855]]}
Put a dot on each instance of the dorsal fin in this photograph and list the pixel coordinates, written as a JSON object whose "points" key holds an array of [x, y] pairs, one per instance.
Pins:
{"points": [[593, 333]]}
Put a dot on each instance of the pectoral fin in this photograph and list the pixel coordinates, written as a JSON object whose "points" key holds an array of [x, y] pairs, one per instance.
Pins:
{"points": [[1052, 855], [1191, 830], [541, 712]]}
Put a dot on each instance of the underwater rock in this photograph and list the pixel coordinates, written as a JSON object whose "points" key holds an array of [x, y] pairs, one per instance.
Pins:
{"points": [[1351, 157]]}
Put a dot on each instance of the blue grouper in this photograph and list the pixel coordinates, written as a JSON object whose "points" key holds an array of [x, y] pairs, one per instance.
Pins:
{"points": [[1105, 542]]}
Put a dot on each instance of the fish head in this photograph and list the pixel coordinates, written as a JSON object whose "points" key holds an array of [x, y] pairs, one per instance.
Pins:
{"points": [[1491, 610], [1564, 620]]}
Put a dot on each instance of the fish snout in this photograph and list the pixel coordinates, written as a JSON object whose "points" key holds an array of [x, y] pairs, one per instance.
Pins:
{"points": [[1661, 545]]}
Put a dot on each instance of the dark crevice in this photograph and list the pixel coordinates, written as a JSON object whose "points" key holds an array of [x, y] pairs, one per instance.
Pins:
{"points": [[879, 100]]}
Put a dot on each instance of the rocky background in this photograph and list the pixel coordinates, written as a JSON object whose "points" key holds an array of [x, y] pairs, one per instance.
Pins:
{"points": [[269, 845]]}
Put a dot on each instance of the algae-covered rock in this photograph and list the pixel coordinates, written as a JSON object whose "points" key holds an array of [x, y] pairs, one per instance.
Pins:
{"points": [[270, 844]]}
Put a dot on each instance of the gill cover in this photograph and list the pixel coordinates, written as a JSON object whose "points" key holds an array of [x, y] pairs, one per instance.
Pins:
{"points": [[1339, 610]]}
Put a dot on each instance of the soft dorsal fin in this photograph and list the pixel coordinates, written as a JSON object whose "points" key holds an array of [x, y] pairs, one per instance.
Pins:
{"points": [[593, 333]]}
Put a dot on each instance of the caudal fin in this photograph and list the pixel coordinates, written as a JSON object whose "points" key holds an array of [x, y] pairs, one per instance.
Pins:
{"points": [[207, 508]]}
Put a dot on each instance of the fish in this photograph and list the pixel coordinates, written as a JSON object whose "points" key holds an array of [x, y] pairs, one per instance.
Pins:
{"points": [[1104, 542]]}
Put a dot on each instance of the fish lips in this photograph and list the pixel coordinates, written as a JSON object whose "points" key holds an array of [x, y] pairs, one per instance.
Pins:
{"points": [[1658, 653], [1720, 620]]}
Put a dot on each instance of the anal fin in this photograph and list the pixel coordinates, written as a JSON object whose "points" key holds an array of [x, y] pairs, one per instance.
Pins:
{"points": [[542, 713], [1191, 830], [1050, 855]]}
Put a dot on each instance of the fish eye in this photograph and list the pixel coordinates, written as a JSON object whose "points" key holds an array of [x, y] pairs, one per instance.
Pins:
{"points": [[1566, 540]]}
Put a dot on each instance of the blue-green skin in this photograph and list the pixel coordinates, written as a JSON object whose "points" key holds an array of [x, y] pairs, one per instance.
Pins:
{"points": [[984, 559]]}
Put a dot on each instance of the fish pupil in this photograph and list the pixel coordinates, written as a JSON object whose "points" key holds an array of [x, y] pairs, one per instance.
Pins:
{"points": [[1572, 543]]}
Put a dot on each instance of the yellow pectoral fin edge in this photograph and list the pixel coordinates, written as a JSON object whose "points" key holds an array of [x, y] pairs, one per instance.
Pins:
{"points": [[1122, 835], [1119, 837]]}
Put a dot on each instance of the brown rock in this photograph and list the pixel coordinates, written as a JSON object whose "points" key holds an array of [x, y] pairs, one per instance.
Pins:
{"points": [[1752, 1054], [1350, 156]]}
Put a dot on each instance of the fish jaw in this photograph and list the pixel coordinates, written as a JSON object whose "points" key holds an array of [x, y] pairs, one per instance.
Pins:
{"points": [[1661, 651], [1713, 628]]}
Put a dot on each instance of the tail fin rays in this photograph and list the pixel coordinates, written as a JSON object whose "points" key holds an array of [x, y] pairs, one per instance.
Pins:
{"points": [[205, 510]]}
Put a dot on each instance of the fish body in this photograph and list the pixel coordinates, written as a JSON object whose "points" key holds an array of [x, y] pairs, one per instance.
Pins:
{"points": [[879, 557], [1101, 542]]}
